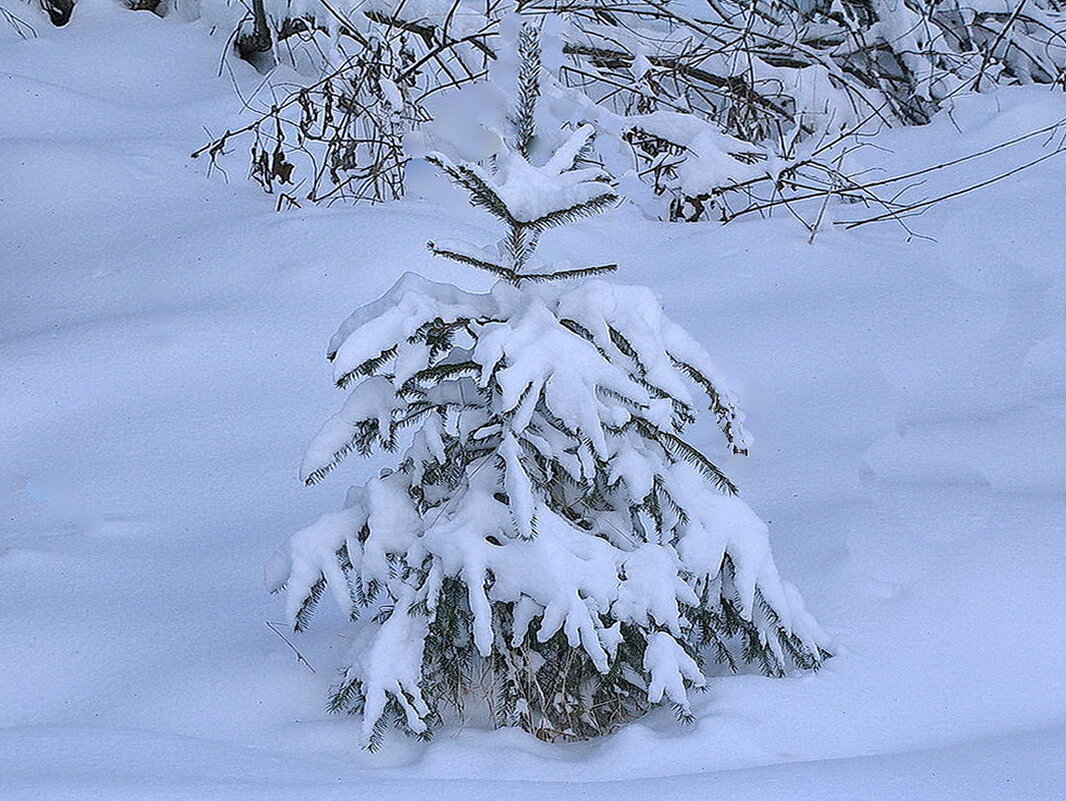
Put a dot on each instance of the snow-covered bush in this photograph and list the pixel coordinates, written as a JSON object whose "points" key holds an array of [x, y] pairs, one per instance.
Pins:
{"points": [[350, 81], [547, 542], [715, 107]]}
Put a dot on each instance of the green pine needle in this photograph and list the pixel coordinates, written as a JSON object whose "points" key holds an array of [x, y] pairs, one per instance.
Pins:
{"points": [[481, 264], [578, 272], [594, 205]]}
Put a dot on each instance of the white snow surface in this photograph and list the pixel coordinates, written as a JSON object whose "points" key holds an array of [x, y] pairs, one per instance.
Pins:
{"points": [[161, 370]]}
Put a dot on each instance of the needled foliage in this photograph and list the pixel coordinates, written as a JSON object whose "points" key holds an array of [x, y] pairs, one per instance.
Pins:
{"points": [[548, 545]]}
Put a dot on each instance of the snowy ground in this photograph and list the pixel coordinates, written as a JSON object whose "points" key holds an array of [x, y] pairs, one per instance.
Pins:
{"points": [[161, 343]]}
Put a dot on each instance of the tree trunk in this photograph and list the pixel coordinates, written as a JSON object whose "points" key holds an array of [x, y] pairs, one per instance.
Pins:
{"points": [[253, 46], [58, 11], [145, 5]]}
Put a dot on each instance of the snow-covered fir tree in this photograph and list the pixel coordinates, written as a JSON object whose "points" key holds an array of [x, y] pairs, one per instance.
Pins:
{"points": [[547, 543]]}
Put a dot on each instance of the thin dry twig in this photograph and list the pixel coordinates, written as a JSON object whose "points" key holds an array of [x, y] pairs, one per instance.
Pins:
{"points": [[299, 657]]}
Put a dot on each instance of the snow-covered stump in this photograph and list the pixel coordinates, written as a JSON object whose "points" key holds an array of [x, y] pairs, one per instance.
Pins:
{"points": [[547, 541]]}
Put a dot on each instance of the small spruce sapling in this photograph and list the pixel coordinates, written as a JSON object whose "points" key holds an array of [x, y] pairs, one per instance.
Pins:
{"points": [[547, 544]]}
